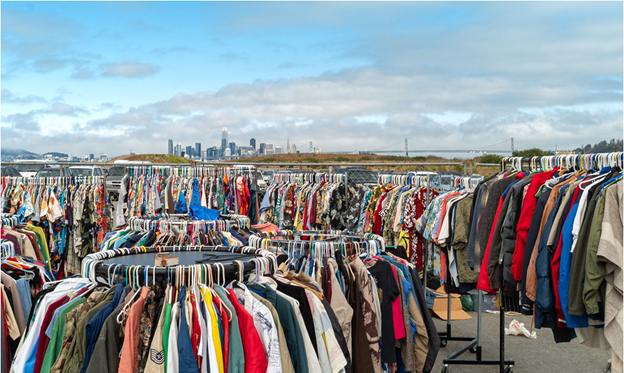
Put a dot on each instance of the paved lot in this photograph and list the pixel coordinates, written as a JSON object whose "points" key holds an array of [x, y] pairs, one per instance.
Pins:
{"points": [[531, 356]]}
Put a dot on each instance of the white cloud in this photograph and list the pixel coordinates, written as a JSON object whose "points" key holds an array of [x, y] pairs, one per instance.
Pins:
{"points": [[129, 69]]}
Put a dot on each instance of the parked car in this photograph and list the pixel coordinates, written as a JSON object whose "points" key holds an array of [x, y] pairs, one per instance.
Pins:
{"points": [[28, 168], [359, 175], [10, 171], [54, 172], [87, 171], [113, 179]]}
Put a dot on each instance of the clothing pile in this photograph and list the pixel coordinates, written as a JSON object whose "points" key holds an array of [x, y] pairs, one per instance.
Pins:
{"points": [[69, 215]]}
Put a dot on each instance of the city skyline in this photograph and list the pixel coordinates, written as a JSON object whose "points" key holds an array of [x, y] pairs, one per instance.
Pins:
{"points": [[235, 151]]}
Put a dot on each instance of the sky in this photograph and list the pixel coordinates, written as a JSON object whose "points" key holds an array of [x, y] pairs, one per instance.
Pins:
{"points": [[115, 77]]}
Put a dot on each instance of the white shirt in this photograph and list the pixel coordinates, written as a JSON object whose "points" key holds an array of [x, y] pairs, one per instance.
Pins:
{"points": [[580, 212], [172, 350], [264, 323], [313, 361]]}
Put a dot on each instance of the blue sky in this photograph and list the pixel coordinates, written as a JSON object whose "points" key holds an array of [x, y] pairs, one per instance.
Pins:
{"points": [[111, 77]]}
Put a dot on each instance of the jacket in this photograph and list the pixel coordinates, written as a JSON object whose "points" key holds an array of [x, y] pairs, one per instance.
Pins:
{"points": [[509, 228], [524, 222], [532, 237], [255, 358]]}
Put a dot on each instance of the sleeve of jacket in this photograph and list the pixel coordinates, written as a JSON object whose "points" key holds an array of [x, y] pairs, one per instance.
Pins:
{"points": [[509, 236], [495, 270]]}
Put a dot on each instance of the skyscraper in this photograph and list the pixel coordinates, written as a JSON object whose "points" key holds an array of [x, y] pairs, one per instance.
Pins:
{"points": [[232, 148], [252, 143], [170, 146], [224, 139], [287, 145], [198, 149], [262, 149], [189, 151]]}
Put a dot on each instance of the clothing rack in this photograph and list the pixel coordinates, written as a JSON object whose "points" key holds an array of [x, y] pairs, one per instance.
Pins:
{"points": [[292, 241], [404, 179], [95, 264], [593, 161], [307, 177], [474, 343], [60, 180], [226, 223]]}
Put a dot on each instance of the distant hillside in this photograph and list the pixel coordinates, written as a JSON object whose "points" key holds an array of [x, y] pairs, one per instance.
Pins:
{"points": [[347, 158], [603, 147], [154, 158], [14, 152], [56, 154]]}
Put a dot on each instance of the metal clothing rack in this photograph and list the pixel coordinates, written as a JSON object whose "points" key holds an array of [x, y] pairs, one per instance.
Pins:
{"points": [[98, 264], [474, 343]]}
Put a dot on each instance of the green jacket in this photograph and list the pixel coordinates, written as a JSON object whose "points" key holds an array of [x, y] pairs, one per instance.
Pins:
{"points": [[595, 271]]}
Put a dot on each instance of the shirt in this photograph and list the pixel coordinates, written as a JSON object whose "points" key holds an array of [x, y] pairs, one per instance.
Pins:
{"points": [[264, 323], [128, 362], [255, 358], [30, 341]]}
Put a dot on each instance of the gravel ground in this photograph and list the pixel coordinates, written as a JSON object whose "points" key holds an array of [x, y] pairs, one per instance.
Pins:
{"points": [[540, 355]]}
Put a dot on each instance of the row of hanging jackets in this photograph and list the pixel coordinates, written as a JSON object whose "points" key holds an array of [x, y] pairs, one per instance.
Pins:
{"points": [[332, 314], [201, 197], [556, 236], [69, 216], [549, 241]]}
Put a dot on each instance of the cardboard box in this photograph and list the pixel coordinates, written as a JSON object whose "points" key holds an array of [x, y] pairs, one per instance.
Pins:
{"points": [[440, 306]]}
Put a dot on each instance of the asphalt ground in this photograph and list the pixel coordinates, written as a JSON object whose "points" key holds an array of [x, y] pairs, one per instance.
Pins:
{"points": [[538, 355]]}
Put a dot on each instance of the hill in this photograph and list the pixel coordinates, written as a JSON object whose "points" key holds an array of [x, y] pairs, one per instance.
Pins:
{"points": [[347, 158], [154, 158], [14, 152]]}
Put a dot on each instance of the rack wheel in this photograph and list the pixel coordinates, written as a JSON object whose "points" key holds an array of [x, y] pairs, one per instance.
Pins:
{"points": [[445, 369], [443, 343], [473, 349]]}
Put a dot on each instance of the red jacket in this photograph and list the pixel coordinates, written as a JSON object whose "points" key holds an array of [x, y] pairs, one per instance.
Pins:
{"points": [[255, 357], [225, 343], [524, 222]]}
